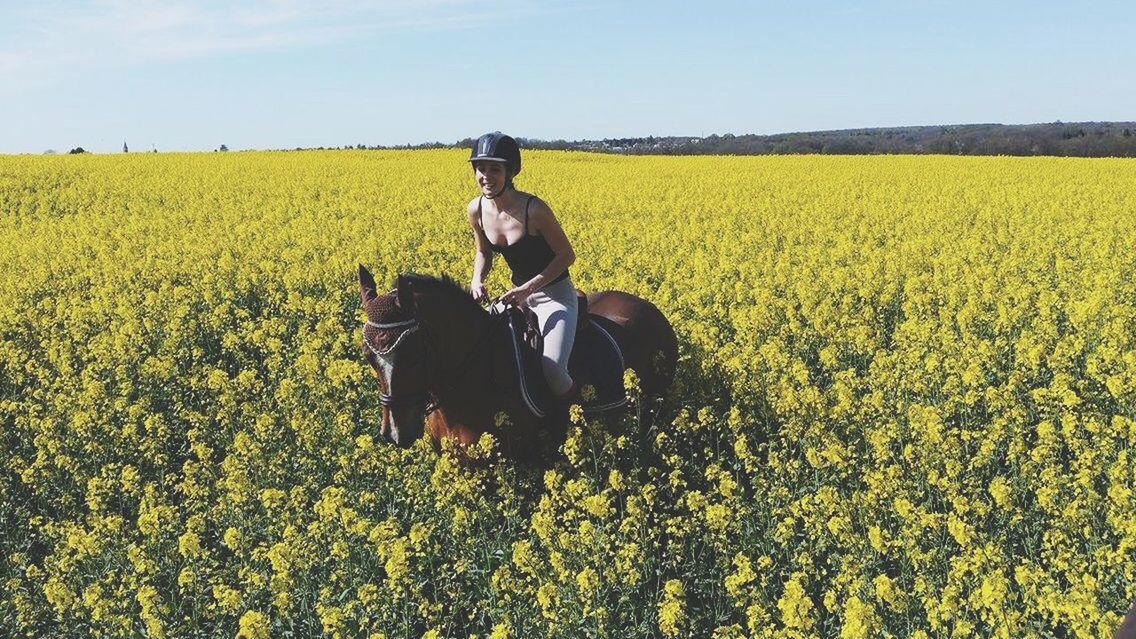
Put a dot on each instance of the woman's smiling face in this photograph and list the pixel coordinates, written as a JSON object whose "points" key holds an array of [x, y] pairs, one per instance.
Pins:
{"points": [[491, 176]]}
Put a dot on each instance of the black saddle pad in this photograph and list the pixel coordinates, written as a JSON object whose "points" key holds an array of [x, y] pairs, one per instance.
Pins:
{"points": [[596, 365]]}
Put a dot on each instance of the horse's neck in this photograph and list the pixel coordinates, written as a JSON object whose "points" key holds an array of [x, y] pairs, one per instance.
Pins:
{"points": [[483, 386], [463, 351]]}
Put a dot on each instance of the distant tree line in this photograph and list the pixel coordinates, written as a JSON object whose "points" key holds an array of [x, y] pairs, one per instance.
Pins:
{"points": [[1091, 139], [1072, 139]]}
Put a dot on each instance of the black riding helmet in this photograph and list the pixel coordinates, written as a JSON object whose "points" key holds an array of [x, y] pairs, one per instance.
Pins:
{"points": [[497, 147]]}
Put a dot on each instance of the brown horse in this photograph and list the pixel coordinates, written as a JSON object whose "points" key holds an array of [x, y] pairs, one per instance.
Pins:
{"points": [[446, 365]]}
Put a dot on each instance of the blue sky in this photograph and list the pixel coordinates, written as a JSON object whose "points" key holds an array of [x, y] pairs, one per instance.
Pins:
{"points": [[195, 74]]}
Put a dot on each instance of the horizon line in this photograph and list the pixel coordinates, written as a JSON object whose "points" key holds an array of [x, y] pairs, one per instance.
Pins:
{"points": [[462, 142]]}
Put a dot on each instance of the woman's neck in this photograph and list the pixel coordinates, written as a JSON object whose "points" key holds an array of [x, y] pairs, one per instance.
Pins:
{"points": [[504, 199]]}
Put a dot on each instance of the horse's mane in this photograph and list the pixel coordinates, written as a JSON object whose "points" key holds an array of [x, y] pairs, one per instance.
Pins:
{"points": [[445, 286]]}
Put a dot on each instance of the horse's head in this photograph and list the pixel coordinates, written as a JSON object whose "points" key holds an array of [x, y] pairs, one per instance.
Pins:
{"points": [[420, 338], [394, 344]]}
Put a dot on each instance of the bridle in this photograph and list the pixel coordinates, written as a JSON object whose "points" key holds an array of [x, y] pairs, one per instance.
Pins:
{"points": [[390, 400], [409, 326]]}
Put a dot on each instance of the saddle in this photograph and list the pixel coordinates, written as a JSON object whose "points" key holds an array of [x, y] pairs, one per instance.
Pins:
{"points": [[596, 362]]}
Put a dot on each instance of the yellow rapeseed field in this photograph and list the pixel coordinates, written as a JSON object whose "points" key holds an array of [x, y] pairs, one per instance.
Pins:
{"points": [[905, 406]]}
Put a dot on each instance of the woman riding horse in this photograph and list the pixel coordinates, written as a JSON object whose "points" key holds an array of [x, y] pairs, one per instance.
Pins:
{"points": [[525, 231], [446, 363]]}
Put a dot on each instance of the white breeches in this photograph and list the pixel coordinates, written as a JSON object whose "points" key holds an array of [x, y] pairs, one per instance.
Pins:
{"points": [[555, 307]]}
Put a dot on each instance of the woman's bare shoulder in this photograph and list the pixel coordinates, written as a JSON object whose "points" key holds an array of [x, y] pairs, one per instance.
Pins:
{"points": [[539, 210], [473, 207]]}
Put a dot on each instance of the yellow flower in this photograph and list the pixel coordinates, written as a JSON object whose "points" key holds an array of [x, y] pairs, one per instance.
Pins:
{"points": [[959, 530], [548, 599], [1000, 490], [628, 563], [331, 618], [524, 557], [397, 565], [58, 594], [227, 598], [486, 445], [186, 576], [616, 480], [630, 380], [189, 545], [501, 631], [859, 620], [875, 352], [272, 498], [672, 608], [368, 594], [418, 534], [718, 517], [877, 538], [253, 625], [886, 590], [232, 538], [743, 574], [597, 505], [795, 606], [587, 581]]}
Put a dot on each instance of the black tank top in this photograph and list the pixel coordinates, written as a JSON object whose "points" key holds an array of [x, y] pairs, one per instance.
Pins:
{"points": [[528, 256]]}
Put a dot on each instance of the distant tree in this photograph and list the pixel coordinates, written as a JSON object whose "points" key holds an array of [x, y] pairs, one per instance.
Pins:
{"points": [[124, 148], [77, 150], [223, 148], [49, 152]]}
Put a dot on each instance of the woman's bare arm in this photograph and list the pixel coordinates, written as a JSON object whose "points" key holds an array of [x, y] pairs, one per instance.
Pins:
{"points": [[483, 257], [544, 221]]}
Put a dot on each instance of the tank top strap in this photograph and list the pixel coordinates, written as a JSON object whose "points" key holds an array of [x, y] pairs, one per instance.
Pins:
{"points": [[527, 216]]}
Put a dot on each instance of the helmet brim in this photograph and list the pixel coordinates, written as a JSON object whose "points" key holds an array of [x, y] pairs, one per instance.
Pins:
{"points": [[486, 158]]}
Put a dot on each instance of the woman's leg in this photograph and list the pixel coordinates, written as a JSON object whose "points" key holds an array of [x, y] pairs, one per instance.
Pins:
{"points": [[556, 307]]}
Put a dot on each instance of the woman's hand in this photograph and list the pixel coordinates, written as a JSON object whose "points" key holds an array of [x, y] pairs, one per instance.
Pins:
{"points": [[477, 290], [518, 294]]}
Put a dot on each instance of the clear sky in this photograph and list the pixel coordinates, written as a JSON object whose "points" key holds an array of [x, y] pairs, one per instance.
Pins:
{"points": [[195, 74]]}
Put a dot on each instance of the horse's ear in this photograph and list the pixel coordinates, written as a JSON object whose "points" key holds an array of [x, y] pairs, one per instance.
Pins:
{"points": [[405, 295], [366, 285]]}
